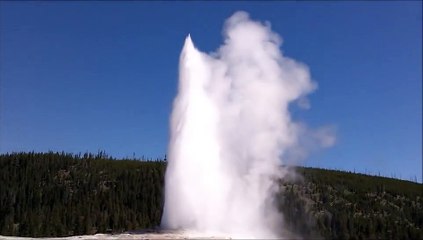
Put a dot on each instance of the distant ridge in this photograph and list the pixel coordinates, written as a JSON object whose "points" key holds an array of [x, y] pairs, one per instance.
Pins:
{"points": [[60, 194]]}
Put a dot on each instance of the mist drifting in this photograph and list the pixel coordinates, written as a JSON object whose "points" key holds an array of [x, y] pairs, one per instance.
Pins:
{"points": [[231, 131]]}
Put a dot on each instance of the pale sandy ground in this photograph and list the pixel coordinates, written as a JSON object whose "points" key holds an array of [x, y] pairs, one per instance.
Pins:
{"points": [[149, 235]]}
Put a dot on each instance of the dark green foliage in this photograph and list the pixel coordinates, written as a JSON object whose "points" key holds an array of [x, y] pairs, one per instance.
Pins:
{"points": [[61, 194], [341, 205], [58, 194]]}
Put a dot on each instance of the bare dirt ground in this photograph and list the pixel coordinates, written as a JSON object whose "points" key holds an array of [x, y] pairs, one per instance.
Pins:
{"points": [[147, 234]]}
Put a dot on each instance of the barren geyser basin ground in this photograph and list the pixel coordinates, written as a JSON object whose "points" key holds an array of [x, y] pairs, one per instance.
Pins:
{"points": [[135, 235]]}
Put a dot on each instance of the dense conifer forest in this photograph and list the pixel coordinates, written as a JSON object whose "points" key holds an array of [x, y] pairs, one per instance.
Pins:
{"points": [[59, 194]]}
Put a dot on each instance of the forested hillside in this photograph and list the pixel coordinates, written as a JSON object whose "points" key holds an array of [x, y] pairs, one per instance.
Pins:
{"points": [[61, 194], [58, 194]]}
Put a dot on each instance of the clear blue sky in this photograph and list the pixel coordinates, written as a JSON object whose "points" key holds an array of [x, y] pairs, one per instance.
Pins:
{"points": [[83, 76]]}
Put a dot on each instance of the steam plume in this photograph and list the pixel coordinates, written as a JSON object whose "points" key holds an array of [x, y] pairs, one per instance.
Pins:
{"points": [[230, 131]]}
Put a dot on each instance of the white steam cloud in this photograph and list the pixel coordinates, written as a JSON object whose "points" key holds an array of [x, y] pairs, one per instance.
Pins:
{"points": [[230, 131]]}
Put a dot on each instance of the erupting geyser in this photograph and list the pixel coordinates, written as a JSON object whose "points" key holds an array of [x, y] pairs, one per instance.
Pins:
{"points": [[230, 131]]}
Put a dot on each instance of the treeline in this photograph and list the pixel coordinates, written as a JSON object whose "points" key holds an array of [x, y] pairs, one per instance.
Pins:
{"points": [[59, 194], [52, 194], [343, 205]]}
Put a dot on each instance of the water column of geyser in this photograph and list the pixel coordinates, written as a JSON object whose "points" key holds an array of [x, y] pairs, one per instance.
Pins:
{"points": [[230, 129]]}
